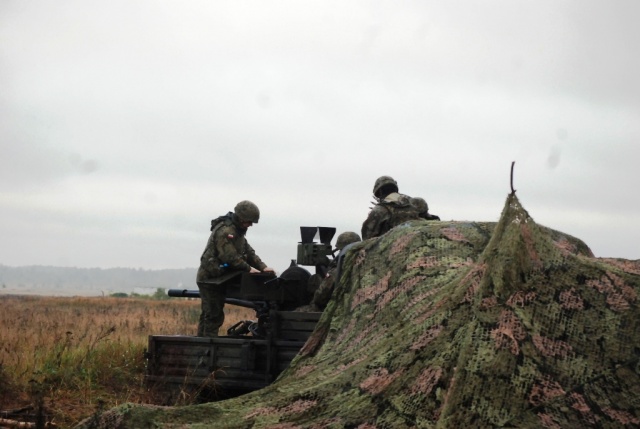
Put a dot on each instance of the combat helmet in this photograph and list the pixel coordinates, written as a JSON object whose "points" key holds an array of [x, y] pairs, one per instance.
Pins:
{"points": [[420, 205], [384, 181], [345, 238], [246, 211]]}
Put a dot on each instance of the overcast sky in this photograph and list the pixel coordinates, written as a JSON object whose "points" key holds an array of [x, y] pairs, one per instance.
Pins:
{"points": [[126, 126]]}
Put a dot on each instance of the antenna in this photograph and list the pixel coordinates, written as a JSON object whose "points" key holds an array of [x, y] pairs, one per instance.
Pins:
{"points": [[513, 191]]}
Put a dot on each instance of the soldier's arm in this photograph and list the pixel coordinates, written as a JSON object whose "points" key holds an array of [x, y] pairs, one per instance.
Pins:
{"points": [[322, 295], [227, 253], [371, 225], [253, 259]]}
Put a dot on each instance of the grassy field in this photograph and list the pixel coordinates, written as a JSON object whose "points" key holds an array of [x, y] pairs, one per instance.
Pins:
{"points": [[70, 357]]}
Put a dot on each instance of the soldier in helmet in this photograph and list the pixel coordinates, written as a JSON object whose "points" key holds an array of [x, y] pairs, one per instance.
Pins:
{"points": [[423, 209], [322, 295], [392, 209], [226, 251]]}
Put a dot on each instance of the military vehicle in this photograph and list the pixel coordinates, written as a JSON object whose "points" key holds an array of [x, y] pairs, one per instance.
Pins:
{"points": [[254, 352]]}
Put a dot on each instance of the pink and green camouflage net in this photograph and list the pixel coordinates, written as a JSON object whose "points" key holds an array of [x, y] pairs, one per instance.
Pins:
{"points": [[453, 325]]}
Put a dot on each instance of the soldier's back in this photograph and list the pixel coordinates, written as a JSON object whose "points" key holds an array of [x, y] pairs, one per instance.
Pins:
{"points": [[395, 209]]}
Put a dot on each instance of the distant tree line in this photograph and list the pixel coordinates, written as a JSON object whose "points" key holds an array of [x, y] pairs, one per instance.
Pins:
{"points": [[110, 279], [160, 293]]}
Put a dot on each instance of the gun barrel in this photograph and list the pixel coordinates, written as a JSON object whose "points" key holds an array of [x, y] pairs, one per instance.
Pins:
{"points": [[183, 293], [242, 303], [186, 293]]}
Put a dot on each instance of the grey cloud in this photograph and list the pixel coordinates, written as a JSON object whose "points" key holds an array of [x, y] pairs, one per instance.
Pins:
{"points": [[301, 106]]}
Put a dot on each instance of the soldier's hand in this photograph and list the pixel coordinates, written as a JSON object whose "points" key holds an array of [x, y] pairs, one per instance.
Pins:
{"points": [[253, 271], [269, 270]]}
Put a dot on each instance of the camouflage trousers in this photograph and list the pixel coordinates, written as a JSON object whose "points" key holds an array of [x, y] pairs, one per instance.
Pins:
{"points": [[212, 305]]}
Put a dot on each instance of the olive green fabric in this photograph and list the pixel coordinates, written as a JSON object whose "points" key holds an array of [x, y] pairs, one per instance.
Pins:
{"points": [[454, 325], [322, 295], [345, 238], [384, 181], [212, 300], [247, 211], [395, 209], [227, 251], [422, 207], [420, 204]]}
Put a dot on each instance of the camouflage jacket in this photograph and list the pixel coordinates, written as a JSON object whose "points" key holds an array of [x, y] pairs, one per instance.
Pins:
{"points": [[392, 211], [227, 250], [322, 295]]}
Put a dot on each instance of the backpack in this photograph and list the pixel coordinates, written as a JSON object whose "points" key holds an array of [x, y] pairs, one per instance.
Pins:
{"points": [[400, 209], [220, 220], [215, 224]]}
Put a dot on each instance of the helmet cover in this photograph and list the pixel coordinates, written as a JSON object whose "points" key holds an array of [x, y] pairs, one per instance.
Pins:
{"points": [[247, 211], [345, 238], [383, 181]]}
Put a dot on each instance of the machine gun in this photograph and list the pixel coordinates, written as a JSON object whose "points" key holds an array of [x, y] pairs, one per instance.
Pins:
{"points": [[262, 292], [254, 352], [266, 293], [316, 254]]}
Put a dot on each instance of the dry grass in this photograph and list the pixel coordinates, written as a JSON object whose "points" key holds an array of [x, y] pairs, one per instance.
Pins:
{"points": [[76, 355]]}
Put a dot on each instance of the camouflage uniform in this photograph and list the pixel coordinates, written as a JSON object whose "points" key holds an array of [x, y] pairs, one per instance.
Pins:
{"points": [[322, 295], [227, 250], [423, 209], [391, 211]]}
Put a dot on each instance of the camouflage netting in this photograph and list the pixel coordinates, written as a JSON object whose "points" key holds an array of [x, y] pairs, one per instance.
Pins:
{"points": [[452, 325]]}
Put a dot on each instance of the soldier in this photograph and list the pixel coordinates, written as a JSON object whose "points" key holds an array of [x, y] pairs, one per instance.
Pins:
{"points": [[392, 209], [423, 209], [322, 295], [227, 251]]}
